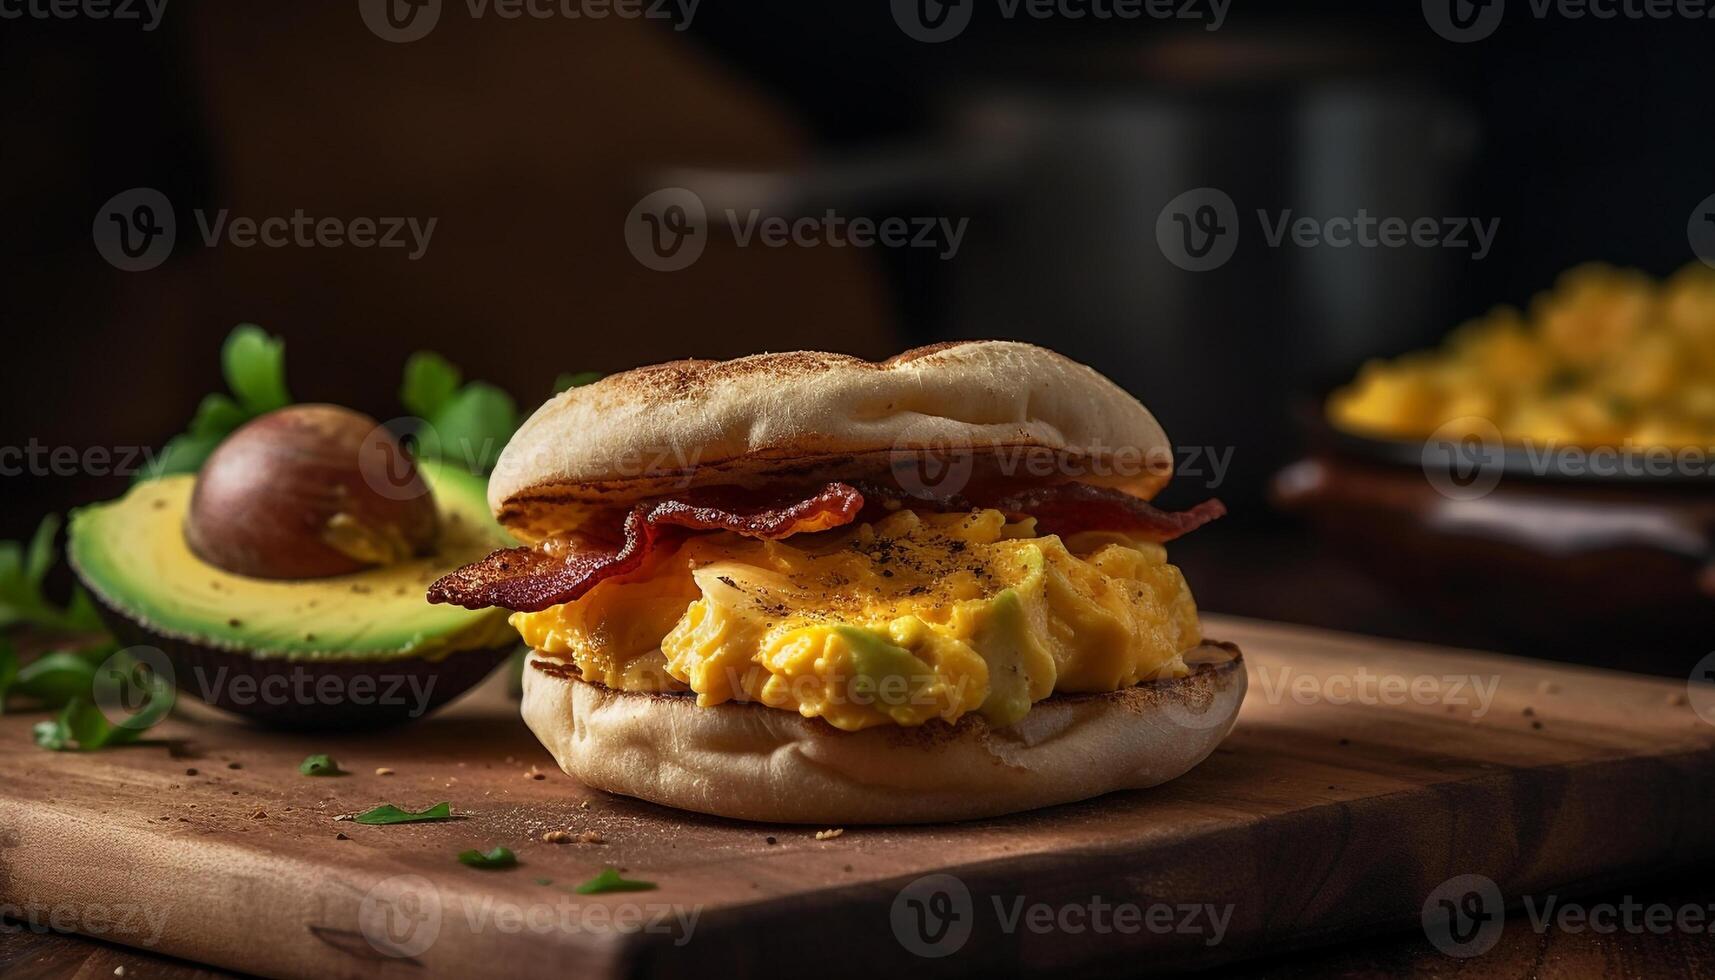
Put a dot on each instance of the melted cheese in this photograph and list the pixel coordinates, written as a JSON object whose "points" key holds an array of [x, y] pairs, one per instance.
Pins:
{"points": [[915, 617]]}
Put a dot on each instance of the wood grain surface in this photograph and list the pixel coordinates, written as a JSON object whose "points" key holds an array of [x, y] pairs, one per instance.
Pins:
{"points": [[1363, 775]]}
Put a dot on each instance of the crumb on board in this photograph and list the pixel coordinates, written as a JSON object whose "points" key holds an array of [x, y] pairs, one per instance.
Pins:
{"points": [[341, 836], [535, 773], [259, 814], [830, 834], [383, 771], [567, 837]]}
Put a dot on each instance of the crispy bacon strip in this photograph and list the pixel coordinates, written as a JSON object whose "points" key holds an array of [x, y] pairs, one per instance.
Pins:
{"points": [[532, 579], [1072, 507]]}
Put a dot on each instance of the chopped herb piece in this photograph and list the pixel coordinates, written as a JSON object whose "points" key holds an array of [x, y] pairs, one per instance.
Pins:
{"points": [[492, 860], [387, 813], [320, 764], [610, 881]]}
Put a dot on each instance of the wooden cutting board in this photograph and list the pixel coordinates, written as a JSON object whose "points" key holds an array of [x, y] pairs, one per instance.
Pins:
{"points": [[1363, 774]]}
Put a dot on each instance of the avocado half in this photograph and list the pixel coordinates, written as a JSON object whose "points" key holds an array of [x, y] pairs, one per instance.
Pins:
{"points": [[359, 650]]}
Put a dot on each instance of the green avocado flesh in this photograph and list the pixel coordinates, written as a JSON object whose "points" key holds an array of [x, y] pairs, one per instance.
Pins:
{"points": [[131, 553]]}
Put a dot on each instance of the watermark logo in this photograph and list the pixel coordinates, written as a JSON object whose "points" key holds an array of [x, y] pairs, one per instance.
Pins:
{"points": [[135, 230], [668, 229], [1700, 689], [147, 12], [401, 915], [932, 917], [1368, 687], [400, 21], [1700, 231], [1464, 916], [1464, 21], [929, 465], [933, 21], [1464, 457], [135, 688], [403, 21], [1198, 230], [385, 461]]}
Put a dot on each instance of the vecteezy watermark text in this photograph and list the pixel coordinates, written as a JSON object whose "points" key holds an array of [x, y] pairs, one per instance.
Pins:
{"points": [[148, 13], [1464, 21], [668, 229], [135, 230], [1465, 916], [1367, 687], [132, 923], [1199, 230], [403, 916], [403, 21], [934, 21], [934, 916]]}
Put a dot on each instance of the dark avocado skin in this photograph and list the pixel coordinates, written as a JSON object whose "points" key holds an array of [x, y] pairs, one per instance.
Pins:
{"points": [[417, 686]]}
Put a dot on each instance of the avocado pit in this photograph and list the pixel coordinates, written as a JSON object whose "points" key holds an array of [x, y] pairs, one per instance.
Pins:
{"points": [[310, 491]]}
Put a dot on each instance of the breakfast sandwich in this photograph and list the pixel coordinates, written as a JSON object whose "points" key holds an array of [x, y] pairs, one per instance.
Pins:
{"points": [[809, 588]]}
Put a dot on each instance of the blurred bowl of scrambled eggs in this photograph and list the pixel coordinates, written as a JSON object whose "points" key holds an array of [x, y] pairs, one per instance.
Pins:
{"points": [[1610, 359], [1545, 475]]}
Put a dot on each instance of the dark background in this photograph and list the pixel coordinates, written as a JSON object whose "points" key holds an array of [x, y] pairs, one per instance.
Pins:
{"points": [[530, 140]]}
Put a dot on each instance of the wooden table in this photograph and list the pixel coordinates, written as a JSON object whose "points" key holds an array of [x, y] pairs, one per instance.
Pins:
{"points": [[1329, 816]]}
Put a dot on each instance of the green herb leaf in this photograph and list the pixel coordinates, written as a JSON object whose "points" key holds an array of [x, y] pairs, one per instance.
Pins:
{"points": [[82, 723], [387, 813], [576, 379], [320, 764], [22, 571], [492, 860], [254, 365], [40, 557], [217, 415], [55, 678], [81, 614], [472, 427], [51, 734], [430, 382], [610, 881], [255, 368], [8, 670], [182, 454]]}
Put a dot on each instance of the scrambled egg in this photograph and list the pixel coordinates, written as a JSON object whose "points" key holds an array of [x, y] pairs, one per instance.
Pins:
{"points": [[1608, 358], [915, 617]]}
